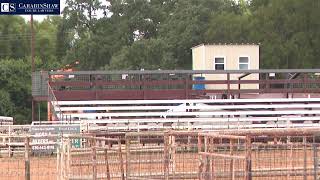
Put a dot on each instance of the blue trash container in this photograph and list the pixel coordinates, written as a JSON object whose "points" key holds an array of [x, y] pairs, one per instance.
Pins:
{"points": [[199, 86]]}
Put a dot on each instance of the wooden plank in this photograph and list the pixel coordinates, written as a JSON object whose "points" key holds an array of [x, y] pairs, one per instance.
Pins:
{"points": [[222, 136], [222, 155]]}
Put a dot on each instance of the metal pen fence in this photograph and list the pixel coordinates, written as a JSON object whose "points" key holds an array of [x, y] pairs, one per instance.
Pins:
{"points": [[95, 158], [243, 154], [194, 155], [26, 157]]}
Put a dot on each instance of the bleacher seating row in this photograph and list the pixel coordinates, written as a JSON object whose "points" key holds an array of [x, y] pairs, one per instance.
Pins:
{"points": [[192, 114]]}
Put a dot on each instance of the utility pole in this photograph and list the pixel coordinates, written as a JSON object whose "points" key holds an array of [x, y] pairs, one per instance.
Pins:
{"points": [[32, 63], [32, 43]]}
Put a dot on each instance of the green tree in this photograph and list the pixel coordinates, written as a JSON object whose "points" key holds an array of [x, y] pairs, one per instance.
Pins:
{"points": [[15, 83], [6, 106], [142, 17], [81, 15], [287, 31], [186, 25], [144, 54], [46, 38], [14, 37]]}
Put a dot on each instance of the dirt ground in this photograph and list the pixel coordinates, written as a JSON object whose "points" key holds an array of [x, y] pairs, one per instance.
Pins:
{"points": [[151, 164], [41, 168], [281, 164]]}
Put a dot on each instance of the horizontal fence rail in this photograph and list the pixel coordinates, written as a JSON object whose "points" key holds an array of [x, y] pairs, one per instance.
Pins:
{"points": [[180, 84]]}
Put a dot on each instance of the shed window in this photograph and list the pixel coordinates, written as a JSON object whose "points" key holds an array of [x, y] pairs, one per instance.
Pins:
{"points": [[219, 63], [243, 63]]}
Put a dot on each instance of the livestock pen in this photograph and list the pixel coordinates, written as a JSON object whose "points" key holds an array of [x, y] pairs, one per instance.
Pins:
{"points": [[283, 153]]}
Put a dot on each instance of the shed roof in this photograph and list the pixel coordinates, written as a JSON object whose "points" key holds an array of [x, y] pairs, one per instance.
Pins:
{"points": [[224, 44]]}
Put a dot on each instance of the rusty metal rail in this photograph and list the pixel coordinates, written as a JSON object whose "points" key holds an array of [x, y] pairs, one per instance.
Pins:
{"points": [[115, 85]]}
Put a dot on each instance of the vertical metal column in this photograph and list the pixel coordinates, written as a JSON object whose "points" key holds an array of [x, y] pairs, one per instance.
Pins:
{"points": [[68, 163], [186, 88], [32, 64], [127, 156], [200, 157], [58, 163], [106, 159], [166, 157], [172, 154], [228, 86], [207, 160], [232, 174], [121, 160], [304, 158], [94, 159], [248, 172], [27, 160], [315, 161]]}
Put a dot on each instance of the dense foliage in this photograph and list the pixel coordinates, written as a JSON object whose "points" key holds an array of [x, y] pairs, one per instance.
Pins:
{"points": [[152, 34]]}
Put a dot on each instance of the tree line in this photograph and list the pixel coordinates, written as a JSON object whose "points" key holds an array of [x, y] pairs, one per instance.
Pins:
{"points": [[151, 34]]}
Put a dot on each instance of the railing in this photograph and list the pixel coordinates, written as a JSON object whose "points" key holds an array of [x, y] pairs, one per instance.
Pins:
{"points": [[181, 84], [54, 104]]}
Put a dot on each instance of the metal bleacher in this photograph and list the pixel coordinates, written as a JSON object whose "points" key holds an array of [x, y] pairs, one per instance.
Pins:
{"points": [[167, 99], [205, 114]]}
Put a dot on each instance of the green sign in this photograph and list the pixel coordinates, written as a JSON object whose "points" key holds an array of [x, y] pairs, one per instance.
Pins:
{"points": [[44, 130]]}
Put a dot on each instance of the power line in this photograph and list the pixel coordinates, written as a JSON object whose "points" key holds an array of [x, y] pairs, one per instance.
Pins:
{"points": [[26, 54], [29, 34], [35, 32]]}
